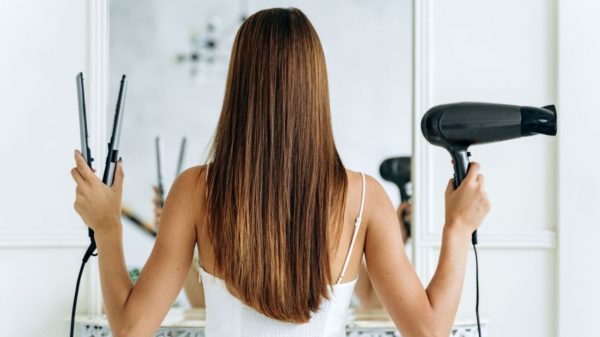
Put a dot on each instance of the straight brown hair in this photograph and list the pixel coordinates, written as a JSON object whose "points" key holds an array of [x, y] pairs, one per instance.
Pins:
{"points": [[276, 186]]}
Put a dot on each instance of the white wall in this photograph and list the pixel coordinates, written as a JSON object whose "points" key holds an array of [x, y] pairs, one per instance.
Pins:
{"points": [[44, 45], [504, 52], [579, 158]]}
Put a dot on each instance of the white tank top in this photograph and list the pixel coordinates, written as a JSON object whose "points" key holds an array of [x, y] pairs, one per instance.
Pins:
{"points": [[227, 316]]}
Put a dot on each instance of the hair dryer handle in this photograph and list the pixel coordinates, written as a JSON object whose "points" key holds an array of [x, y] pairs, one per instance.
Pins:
{"points": [[461, 167]]}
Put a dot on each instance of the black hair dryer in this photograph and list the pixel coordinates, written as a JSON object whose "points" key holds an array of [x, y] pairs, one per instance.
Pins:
{"points": [[457, 126]]}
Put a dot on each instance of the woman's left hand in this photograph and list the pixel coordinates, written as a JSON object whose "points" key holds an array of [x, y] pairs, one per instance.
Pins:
{"points": [[98, 205]]}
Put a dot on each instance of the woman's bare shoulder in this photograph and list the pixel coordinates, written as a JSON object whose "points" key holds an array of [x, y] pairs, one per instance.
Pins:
{"points": [[375, 195], [190, 180], [193, 172], [373, 187]]}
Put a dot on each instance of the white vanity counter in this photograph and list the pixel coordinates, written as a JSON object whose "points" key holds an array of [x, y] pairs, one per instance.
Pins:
{"points": [[190, 323]]}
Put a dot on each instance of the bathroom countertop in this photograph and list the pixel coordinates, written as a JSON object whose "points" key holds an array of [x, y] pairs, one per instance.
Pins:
{"points": [[358, 320]]}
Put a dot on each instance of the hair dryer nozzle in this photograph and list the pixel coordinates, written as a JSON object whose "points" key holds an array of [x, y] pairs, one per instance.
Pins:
{"points": [[538, 120]]}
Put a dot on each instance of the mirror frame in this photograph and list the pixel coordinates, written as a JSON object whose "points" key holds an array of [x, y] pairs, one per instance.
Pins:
{"points": [[96, 81], [421, 173]]}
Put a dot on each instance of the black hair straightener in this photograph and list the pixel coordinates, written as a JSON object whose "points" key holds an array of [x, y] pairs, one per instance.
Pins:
{"points": [[109, 168]]}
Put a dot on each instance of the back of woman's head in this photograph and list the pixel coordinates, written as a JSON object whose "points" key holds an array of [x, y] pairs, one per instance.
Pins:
{"points": [[276, 185]]}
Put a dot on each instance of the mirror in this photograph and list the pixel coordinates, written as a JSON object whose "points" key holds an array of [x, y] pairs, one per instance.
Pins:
{"points": [[176, 53]]}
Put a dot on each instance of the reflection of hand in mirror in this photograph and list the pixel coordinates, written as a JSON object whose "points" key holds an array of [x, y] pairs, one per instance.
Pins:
{"points": [[157, 208], [404, 212], [193, 289]]}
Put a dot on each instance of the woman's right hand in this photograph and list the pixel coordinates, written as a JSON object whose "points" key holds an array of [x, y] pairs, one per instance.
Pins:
{"points": [[467, 205], [98, 205]]}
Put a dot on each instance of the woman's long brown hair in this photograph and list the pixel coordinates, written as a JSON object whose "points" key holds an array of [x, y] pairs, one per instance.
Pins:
{"points": [[276, 184]]}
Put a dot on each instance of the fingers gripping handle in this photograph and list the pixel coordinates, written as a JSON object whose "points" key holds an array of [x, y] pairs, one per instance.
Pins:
{"points": [[107, 178], [461, 167]]}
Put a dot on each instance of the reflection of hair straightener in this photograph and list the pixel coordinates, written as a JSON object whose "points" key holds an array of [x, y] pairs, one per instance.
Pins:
{"points": [[397, 170], [181, 155], [161, 190], [159, 163], [128, 213], [109, 169]]}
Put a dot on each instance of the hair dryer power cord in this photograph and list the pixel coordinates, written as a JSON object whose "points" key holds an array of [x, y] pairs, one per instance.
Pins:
{"points": [[477, 290]]}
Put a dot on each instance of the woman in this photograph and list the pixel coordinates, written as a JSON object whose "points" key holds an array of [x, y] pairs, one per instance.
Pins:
{"points": [[279, 223]]}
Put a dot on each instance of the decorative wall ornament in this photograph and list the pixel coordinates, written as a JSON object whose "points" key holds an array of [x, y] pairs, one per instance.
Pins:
{"points": [[209, 48]]}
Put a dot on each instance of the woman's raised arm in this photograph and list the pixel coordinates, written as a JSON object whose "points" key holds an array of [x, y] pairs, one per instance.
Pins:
{"points": [[138, 310], [416, 311]]}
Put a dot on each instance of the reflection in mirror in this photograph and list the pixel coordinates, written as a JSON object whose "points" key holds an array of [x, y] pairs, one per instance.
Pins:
{"points": [[175, 54]]}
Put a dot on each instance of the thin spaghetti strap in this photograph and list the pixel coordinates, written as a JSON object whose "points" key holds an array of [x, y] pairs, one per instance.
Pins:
{"points": [[356, 227], [362, 197]]}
